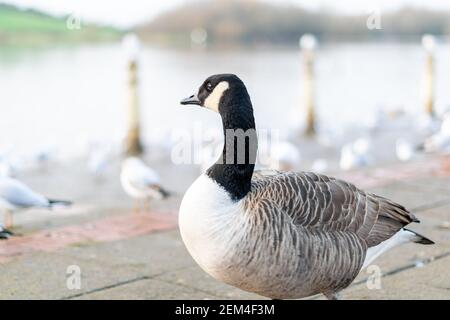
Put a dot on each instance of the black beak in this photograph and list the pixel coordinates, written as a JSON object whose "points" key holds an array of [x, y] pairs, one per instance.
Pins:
{"points": [[191, 100]]}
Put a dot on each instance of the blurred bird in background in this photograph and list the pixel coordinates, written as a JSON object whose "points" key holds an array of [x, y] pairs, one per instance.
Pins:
{"points": [[284, 156], [5, 233], [16, 196], [141, 183], [355, 155]]}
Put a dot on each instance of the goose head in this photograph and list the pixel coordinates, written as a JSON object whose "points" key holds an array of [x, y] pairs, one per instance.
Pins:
{"points": [[227, 95], [223, 93]]}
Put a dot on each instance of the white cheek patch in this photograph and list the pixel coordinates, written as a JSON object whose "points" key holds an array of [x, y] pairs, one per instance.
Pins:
{"points": [[212, 102]]}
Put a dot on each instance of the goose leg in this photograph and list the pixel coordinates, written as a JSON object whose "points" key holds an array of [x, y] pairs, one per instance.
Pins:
{"points": [[332, 295]]}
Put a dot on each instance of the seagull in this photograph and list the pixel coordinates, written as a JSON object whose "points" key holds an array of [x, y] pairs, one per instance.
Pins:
{"points": [[99, 159], [404, 150], [355, 155], [319, 165], [5, 233], [9, 165], [7, 170], [440, 141], [141, 182], [15, 196], [427, 124], [43, 155], [284, 156]]}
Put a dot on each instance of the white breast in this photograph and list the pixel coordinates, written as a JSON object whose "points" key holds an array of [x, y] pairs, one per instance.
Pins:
{"points": [[208, 218]]}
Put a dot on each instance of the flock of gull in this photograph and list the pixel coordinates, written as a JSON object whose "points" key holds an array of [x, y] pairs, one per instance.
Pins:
{"points": [[138, 180], [142, 183], [265, 229]]}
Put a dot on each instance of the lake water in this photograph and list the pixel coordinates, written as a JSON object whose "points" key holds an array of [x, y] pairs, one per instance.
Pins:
{"points": [[68, 96]]}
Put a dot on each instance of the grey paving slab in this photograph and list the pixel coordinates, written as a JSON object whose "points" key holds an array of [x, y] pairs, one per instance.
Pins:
{"points": [[441, 213], [196, 278], [160, 255], [429, 282], [45, 275], [152, 254], [157, 265], [148, 289], [410, 197], [410, 253], [432, 184]]}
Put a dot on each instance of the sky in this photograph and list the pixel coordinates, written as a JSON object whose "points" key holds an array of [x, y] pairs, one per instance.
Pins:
{"points": [[127, 13]]}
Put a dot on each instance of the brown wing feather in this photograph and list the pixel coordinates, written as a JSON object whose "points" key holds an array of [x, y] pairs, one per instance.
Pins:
{"points": [[320, 202]]}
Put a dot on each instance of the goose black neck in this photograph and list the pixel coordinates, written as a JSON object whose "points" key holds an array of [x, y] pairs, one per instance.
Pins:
{"points": [[234, 169]]}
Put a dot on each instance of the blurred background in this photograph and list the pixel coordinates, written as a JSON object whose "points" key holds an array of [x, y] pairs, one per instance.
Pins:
{"points": [[63, 76]]}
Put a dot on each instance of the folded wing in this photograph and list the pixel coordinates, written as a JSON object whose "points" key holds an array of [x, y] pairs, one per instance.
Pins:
{"points": [[320, 202]]}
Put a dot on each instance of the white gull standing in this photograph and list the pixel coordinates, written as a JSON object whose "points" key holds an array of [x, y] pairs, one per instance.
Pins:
{"points": [[15, 196], [284, 156], [440, 141], [355, 155], [141, 182]]}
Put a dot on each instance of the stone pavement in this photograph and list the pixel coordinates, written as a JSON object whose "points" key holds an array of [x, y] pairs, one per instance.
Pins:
{"points": [[140, 256]]}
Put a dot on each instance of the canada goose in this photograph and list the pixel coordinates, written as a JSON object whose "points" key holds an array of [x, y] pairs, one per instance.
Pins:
{"points": [[282, 235], [15, 196], [141, 182]]}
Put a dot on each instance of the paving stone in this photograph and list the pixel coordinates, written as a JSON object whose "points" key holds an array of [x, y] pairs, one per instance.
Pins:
{"points": [[157, 265], [413, 253], [44, 276], [153, 253], [196, 278], [410, 197], [432, 184], [440, 213], [431, 281], [148, 290]]}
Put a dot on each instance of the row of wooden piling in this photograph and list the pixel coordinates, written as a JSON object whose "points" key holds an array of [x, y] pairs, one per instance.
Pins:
{"points": [[308, 45]]}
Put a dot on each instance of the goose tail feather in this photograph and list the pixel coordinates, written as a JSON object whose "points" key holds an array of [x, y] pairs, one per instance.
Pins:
{"points": [[418, 238]]}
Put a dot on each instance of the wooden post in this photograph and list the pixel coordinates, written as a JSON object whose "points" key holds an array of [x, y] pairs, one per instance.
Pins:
{"points": [[429, 43], [307, 45], [133, 145]]}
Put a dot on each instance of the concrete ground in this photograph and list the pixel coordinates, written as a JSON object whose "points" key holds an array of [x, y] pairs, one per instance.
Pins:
{"points": [[124, 255]]}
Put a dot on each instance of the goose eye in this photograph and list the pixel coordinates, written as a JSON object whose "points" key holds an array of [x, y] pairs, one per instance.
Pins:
{"points": [[209, 86]]}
